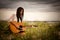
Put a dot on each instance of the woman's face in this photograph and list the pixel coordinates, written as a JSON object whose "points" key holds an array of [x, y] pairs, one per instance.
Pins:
{"points": [[21, 13]]}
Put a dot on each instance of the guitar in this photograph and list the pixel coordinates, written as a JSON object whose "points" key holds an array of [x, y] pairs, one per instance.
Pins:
{"points": [[16, 27]]}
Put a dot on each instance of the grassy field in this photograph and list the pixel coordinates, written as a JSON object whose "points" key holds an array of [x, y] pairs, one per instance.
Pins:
{"points": [[35, 30]]}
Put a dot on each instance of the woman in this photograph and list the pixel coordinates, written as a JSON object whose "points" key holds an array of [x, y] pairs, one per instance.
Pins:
{"points": [[20, 13], [16, 27]]}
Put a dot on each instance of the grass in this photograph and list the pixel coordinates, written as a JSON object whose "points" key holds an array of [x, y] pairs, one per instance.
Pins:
{"points": [[43, 31]]}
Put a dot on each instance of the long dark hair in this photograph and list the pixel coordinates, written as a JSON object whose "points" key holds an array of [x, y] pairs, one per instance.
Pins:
{"points": [[18, 14], [18, 11]]}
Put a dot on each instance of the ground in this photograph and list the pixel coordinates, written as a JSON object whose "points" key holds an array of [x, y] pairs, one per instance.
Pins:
{"points": [[36, 30]]}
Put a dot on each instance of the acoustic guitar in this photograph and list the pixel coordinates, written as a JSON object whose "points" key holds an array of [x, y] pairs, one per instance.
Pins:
{"points": [[16, 27]]}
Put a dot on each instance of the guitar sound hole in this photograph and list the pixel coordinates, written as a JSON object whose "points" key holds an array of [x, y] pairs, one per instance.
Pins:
{"points": [[21, 26]]}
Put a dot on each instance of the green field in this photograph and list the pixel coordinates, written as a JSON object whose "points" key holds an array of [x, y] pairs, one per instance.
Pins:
{"points": [[35, 30]]}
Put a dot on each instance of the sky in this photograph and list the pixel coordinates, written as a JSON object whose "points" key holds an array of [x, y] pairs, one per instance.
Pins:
{"points": [[34, 10]]}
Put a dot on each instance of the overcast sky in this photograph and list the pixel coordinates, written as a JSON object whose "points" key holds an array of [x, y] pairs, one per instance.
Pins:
{"points": [[35, 10]]}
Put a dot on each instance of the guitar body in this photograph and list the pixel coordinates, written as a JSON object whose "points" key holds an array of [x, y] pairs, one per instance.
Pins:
{"points": [[14, 26]]}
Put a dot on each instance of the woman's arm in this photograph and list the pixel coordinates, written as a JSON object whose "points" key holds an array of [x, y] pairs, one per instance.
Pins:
{"points": [[12, 18]]}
